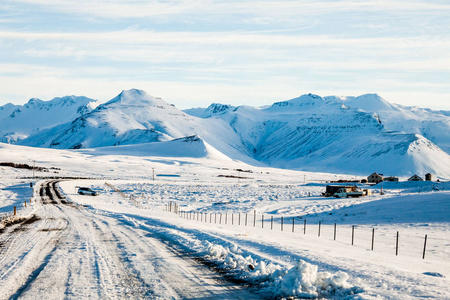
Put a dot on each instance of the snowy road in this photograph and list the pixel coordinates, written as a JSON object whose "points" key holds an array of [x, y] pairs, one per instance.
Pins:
{"points": [[65, 250]]}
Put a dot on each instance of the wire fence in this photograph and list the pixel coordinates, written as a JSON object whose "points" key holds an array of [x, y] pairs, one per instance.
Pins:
{"points": [[370, 238], [365, 237]]}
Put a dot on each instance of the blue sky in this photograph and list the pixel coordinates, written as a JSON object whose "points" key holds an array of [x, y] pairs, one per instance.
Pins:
{"points": [[195, 52]]}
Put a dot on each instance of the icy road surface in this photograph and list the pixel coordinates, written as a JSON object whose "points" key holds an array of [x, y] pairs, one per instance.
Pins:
{"points": [[66, 251]]}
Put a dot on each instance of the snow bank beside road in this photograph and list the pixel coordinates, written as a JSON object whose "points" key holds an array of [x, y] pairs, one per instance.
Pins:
{"points": [[303, 280]]}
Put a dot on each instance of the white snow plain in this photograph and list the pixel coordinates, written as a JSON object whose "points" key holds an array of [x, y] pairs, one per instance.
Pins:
{"points": [[119, 247]]}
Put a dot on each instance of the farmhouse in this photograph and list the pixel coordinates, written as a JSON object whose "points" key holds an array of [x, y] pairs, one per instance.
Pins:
{"points": [[375, 178], [415, 177]]}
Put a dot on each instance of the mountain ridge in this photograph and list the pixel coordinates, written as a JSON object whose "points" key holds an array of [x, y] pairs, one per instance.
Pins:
{"points": [[309, 132]]}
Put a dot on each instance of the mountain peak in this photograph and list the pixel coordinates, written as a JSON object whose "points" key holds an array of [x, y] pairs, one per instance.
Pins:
{"points": [[370, 103], [304, 102], [216, 108], [133, 92], [135, 97], [33, 102]]}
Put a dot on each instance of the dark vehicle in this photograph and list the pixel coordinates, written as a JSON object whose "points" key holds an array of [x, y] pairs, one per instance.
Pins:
{"points": [[332, 189], [87, 191]]}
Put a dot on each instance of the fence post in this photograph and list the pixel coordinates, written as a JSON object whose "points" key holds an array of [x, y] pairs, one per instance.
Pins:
{"points": [[245, 219], [293, 223], [396, 245], [232, 218], [210, 217], [319, 227], [15, 210], [271, 222], [262, 221], [215, 218], [334, 231], [25, 203], [239, 222], [304, 227], [226, 218], [353, 234], [220, 220], [373, 237], [201, 217], [254, 218], [281, 223], [424, 247]]}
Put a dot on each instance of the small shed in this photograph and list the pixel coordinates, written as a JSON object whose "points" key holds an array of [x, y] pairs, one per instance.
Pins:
{"points": [[429, 177], [415, 177], [375, 178], [391, 178]]}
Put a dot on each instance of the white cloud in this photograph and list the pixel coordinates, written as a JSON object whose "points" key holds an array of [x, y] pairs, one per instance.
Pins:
{"points": [[239, 50], [271, 10]]}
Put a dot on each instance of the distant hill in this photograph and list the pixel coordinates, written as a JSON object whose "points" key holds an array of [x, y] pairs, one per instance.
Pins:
{"points": [[355, 135]]}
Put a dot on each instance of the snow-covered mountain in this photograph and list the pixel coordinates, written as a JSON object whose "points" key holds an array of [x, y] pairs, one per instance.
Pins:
{"points": [[342, 133], [434, 125], [330, 134], [131, 117], [213, 109], [17, 122]]}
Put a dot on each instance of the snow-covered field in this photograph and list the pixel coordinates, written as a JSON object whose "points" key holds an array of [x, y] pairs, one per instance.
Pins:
{"points": [[215, 196]]}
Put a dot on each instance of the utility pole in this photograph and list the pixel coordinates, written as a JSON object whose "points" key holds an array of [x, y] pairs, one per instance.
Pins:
{"points": [[34, 167]]}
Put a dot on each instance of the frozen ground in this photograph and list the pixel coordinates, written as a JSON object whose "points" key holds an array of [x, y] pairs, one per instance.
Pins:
{"points": [[112, 246]]}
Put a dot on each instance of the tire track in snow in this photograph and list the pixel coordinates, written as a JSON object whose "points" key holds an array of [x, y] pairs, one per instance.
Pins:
{"points": [[28, 247], [32, 277], [72, 252], [186, 273]]}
